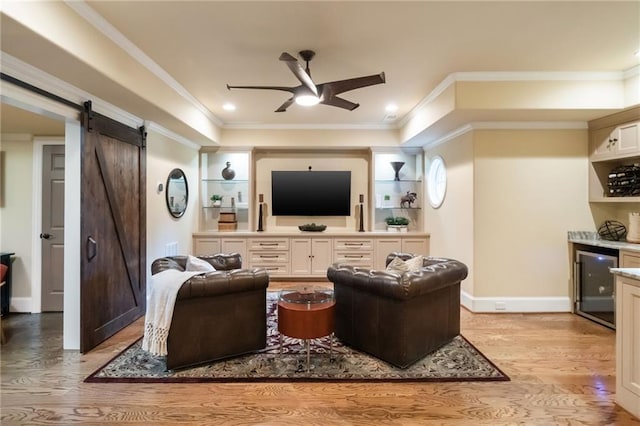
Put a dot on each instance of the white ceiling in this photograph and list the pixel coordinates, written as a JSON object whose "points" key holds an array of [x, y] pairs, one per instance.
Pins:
{"points": [[205, 45]]}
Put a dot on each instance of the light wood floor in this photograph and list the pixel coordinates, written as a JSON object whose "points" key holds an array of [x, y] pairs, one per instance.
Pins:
{"points": [[562, 370]]}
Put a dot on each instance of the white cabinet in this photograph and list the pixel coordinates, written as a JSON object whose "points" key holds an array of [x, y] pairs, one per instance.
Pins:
{"points": [[270, 253], [384, 246], [296, 256], [416, 246], [310, 256], [203, 245], [355, 251], [615, 142], [628, 344]]}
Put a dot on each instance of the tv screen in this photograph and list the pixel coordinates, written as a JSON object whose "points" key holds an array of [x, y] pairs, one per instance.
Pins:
{"points": [[311, 193]]}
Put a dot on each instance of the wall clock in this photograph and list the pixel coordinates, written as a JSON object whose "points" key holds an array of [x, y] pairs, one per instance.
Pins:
{"points": [[437, 182]]}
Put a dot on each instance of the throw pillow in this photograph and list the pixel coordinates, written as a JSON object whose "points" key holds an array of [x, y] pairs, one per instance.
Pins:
{"points": [[397, 265], [196, 264], [412, 265], [415, 264]]}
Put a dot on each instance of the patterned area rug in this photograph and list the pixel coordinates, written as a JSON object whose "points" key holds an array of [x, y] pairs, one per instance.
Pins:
{"points": [[457, 361]]}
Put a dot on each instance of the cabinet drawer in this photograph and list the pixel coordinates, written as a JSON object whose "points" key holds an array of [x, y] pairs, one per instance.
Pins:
{"points": [[269, 257], [353, 244], [269, 244], [629, 259], [273, 269], [364, 259]]}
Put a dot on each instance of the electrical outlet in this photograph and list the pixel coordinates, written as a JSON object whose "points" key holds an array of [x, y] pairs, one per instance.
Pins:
{"points": [[501, 306]]}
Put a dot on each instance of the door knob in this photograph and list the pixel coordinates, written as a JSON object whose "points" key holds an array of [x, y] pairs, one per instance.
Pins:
{"points": [[45, 236]]}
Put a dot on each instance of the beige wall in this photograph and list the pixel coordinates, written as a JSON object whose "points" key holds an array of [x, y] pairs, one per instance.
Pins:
{"points": [[512, 196], [530, 189], [16, 212], [451, 225], [163, 155], [357, 163]]}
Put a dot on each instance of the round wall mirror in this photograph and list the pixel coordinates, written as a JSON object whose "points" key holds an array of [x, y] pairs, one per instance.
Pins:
{"points": [[177, 193], [437, 182]]}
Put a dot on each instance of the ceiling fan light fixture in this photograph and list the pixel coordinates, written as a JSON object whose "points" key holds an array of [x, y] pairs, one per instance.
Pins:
{"points": [[307, 100]]}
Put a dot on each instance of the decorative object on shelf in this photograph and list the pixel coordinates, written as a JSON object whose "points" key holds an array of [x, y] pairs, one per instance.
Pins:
{"points": [[177, 193], [397, 223], [633, 235], [397, 165], [361, 213], [228, 173], [408, 199], [386, 201], [216, 200], [261, 200], [227, 221], [612, 230], [312, 227]]}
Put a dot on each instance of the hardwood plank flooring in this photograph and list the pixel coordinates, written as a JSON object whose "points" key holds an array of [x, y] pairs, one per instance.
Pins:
{"points": [[562, 370]]}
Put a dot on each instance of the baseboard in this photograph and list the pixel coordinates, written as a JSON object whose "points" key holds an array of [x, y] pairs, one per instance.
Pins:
{"points": [[515, 304], [20, 305]]}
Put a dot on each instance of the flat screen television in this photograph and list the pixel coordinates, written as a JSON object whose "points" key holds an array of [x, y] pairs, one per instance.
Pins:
{"points": [[311, 193]]}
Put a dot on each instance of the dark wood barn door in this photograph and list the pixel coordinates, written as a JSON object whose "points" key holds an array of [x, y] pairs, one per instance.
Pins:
{"points": [[113, 273]]}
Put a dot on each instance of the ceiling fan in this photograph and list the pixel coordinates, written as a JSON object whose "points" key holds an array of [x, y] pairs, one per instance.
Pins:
{"points": [[309, 93]]}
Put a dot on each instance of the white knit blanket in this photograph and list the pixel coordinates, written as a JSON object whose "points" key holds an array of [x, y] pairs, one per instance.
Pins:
{"points": [[161, 298]]}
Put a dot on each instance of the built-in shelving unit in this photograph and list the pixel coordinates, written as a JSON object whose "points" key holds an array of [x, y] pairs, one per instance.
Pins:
{"points": [[236, 193], [387, 193], [614, 141]]}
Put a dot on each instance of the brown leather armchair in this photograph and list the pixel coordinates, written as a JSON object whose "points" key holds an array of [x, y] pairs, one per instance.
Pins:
{"points": [[216, 315], [398, 317]]}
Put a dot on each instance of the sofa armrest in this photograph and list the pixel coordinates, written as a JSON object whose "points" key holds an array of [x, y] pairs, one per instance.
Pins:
{"points": [[220, 261], [224, 282], [438, 274]]}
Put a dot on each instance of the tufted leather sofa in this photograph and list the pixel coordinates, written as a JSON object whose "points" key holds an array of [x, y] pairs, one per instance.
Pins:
{"points": [[398, 317], [218, 314]]}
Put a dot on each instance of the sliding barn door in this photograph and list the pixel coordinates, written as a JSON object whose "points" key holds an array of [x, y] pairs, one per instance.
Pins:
{"points": [[112, 290]]}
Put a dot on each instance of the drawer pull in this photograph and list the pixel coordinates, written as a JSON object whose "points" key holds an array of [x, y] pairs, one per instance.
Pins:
{"points": [[353, 256], [269, 256], [272, 269], [354, 244], [268, 244]]}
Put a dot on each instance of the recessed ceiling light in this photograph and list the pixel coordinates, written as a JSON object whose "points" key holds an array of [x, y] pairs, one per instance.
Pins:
{"points": [[307, 100], [637, 53], [229, 107], [391, 108]]}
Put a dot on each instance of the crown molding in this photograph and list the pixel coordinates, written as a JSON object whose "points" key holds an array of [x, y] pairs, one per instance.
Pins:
{"points": [[36, 77], [108, 30], [506, 125], [259, 126], [151, 126], [515, 76]]}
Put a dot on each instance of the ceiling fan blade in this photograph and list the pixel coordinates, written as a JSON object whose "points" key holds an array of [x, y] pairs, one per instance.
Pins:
{"points": [[299, 72], [285, 105], [340, 86], [340, 103], [283, 88]]}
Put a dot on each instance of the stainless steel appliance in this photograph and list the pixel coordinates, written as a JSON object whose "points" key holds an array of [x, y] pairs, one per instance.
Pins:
{"points": [[595, 285]]}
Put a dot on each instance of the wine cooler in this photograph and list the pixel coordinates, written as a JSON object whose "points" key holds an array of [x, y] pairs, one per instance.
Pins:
{"points": [[595, 285]]}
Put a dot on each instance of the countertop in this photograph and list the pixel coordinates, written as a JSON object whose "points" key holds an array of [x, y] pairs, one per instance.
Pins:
{"points": [[626, 272], [593, 239], [327, 233]]}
